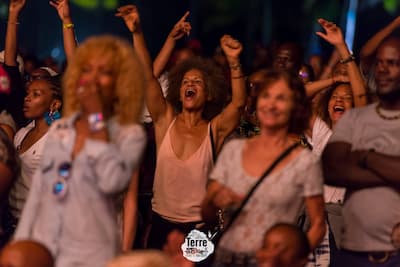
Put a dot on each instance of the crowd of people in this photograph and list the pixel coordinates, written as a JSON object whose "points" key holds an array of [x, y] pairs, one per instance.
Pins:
{"points": [[114, 159]]}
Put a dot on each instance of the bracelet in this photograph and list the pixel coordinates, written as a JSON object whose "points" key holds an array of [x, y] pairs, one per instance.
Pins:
{"points": [[96, 122], [13, 22], [237, 77], [68, 25], [235, 66], [347, 60]]}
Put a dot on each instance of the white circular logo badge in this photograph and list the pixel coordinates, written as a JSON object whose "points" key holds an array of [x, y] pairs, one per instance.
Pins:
{"points": [[197, 246]]}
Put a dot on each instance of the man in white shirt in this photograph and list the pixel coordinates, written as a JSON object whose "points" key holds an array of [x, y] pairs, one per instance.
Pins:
{"points": [[363, 155]]}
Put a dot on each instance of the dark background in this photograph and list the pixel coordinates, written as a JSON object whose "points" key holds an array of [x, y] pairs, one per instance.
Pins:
{"points": [[250, 21]]}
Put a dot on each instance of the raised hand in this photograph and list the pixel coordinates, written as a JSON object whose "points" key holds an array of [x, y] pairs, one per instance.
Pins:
{"points": [[62, 7], [333, 33], [16, 6], [340, 78], [89, 95], [231, 47], [130, 15], [181, 28]]}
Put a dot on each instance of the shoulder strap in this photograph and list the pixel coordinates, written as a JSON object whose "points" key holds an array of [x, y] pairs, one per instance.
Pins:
{"points": [[262, 178], [214, 154]]}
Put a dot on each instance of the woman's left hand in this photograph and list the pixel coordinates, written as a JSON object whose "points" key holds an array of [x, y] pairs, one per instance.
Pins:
{"points": [[333, 33]]}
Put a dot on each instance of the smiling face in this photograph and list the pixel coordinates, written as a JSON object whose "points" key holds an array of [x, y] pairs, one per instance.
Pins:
{"points": [[192, 92], [340, 101], [387, 71], [38, 100], [274, 105]]}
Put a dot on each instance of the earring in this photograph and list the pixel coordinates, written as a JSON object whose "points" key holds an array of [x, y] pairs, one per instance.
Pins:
{"points": [[51, 116]]}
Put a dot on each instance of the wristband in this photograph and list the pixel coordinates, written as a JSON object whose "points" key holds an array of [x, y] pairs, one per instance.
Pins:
{"points": [[96, 122], [347, 60], [68, 25], [235, 66], [13, 22]]}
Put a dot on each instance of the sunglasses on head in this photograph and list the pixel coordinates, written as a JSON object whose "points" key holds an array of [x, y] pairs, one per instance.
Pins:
{"points": [[60, 187]]}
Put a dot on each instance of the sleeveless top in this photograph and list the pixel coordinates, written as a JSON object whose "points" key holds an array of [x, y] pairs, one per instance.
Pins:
{"points": [[30, 160], [180, 185]]}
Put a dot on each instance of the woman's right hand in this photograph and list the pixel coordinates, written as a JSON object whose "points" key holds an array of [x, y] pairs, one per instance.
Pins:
{"points": [[62, 8], [226, 198]]}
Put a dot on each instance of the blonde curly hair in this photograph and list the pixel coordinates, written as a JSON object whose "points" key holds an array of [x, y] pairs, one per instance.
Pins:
{"points": [[128, 74]]}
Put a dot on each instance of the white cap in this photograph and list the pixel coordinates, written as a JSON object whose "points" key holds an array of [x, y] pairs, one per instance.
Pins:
{"points": [[20, 62], [50, 71]]}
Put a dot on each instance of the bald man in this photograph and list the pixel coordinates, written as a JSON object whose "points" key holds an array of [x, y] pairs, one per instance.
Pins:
{"points": [[25, 253], [285, 245]]}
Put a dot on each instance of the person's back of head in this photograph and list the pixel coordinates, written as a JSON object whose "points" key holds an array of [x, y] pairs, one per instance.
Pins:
{"points": [[26, 253], [284, 245]]}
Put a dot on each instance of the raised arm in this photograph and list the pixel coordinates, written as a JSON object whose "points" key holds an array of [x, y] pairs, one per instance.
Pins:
{"points": [[327, 70], [155, 101], [10, 50], [368, 50], [228, 119], [341, 168], [180, 29], [70, 43], [334, 36], [313, 88]]}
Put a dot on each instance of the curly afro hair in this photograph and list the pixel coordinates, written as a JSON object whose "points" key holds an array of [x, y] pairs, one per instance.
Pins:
{"points": [[216, 86]]}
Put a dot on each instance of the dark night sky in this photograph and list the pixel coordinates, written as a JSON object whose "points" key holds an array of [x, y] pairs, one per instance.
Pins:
{"points": [[250, 21]]}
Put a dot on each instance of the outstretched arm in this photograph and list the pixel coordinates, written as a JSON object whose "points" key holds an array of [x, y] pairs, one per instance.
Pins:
{"points": [[228, 119], [372, 44], [70, 43], [327, 70], [334, 36], [313, 88], [10, 50], [181, 28], [155, 101]]}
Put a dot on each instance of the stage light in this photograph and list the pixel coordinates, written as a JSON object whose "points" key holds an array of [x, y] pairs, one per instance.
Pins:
{"points": [[391, 5]]}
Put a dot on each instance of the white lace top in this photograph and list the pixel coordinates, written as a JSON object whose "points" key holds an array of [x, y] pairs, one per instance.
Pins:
{"points": [[279, 198]]}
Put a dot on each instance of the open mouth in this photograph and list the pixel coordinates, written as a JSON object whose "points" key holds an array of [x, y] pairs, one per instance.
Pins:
{"points": [[190, 92], [338, 109]]}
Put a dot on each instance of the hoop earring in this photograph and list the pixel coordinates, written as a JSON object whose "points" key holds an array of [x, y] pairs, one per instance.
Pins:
{"points": [[51, 116]]}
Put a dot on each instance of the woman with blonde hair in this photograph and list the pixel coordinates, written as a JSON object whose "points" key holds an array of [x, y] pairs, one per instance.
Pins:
{"points": [[92, 154]]}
